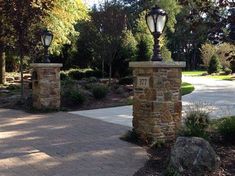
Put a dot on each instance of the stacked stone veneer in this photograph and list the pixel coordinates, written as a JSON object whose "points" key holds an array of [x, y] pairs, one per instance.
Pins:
{"points": [[46, 85], [157, 104]]}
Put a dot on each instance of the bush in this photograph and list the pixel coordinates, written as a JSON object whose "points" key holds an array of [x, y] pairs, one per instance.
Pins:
{"points": [[227, 129], [214, 65], [99, 91], [196, 123], [126, 80], [227, 71], [75, 96], [207, 51], [63, 75], [78, 74]]}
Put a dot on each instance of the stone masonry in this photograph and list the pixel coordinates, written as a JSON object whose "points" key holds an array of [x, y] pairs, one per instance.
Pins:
{"points": [[157, 99], [46, 85]]}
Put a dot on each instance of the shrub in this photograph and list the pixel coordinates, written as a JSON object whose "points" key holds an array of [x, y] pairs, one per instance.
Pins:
{"points": [[207, 51], [126, 80], [214, 65], [78, 74], [222, 52], [166, 54], [13, 87], [196, 123], [63, 75], [75, 96], [99, 91], [131, 136], [227, 129], [227, 71]]}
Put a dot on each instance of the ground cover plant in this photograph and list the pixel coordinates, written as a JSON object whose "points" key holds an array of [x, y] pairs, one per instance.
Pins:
{"points": [[186, 88]]}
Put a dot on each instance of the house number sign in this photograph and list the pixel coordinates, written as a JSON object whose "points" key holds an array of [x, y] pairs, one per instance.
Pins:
{"points": [[142, 82]]}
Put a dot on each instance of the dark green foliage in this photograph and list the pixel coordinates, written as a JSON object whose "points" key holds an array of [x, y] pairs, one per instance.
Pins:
{"points": [[126, 80], [131, 136], [13, 87], [99, 91], [196, 123], [63, 75], [232, 65], [143, 53], [170, 171], [75, 96], [214, 65], [227, 71], [227, 129], [78, 74]]}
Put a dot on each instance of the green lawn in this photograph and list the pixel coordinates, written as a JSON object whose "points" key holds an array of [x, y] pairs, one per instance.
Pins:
{"points": [[186, 88], [222, 77], [193, 73], [199, 73]]}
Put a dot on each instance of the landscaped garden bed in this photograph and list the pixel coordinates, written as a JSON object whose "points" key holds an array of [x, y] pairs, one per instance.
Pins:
{"points": [[159, 158], [220, 134], [79, 93]]}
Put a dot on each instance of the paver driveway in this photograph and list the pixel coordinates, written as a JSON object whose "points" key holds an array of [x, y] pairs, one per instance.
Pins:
{"points": [[62, 144]]}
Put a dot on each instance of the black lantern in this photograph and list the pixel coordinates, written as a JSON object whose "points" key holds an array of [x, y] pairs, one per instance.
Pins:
{"points": [[46, 39], [156, 20]]}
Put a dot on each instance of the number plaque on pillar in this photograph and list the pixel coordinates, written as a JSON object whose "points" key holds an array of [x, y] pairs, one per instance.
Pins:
{"points": [[142, 82]]}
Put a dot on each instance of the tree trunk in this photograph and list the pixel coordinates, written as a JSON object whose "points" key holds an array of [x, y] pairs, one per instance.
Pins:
{"points": [[2, 66], [110, 73], [21, 54], [21, 75], [102, 68]]}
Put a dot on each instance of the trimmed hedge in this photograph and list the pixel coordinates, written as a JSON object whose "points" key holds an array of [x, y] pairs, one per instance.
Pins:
{"points": [[78, 74]]}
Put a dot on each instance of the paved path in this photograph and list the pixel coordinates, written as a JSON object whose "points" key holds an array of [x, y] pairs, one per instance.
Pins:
{"points": [[216, 95], [63, 144]]}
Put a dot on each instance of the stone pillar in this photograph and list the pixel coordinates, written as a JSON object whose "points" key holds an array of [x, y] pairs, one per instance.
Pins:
{"points": [[46, 85], [157, 101]]}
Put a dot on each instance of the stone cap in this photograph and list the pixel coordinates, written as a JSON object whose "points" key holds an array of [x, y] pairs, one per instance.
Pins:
{"points": [[157, 64], [46, 65]]}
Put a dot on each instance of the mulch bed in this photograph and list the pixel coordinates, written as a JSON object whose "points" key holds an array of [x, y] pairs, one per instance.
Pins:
{"points": [[159, 158], [111, 100]]}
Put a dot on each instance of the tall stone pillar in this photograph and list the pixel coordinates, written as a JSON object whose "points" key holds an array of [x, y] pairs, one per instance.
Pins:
{"points": [[46, 85], [157, 101]]}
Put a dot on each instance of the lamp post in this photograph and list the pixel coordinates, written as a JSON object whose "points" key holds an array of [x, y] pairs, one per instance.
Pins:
{"points": [[156, 20], [46, 39]]}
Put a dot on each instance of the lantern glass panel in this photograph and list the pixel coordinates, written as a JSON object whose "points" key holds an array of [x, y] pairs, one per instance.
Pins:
{"points": [[46, 40], [150, 22], [161, 23]]}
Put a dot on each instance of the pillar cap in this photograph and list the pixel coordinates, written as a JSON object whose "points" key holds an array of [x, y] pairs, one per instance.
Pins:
{"points": [[46, 65], [157, 64]]}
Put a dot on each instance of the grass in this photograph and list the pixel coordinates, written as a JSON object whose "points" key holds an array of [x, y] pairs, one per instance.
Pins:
{"points": [[193, 73], [218, 77], [186, 88], [222, 77]]}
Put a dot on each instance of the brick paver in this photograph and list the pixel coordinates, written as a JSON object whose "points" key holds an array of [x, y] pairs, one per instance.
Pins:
{"points": [[63, 144]]}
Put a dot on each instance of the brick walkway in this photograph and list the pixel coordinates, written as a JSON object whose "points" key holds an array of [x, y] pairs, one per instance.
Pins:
{"points": [[62, 144]]}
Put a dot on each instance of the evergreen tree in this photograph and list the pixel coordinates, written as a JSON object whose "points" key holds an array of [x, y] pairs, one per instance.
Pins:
{"points": [[214, 65]]}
